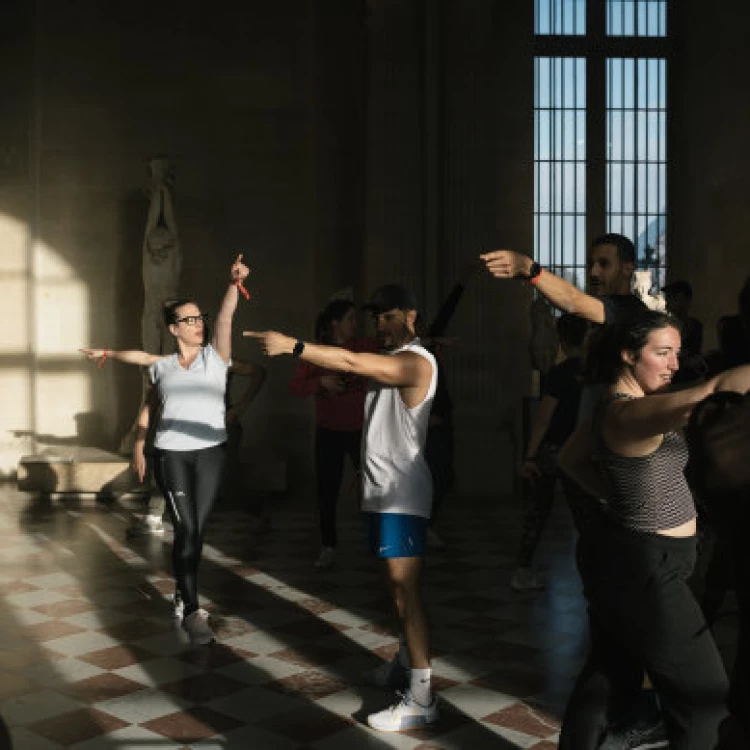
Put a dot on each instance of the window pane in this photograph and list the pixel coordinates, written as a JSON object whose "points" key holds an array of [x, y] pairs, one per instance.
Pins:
{"points": [[636, 149], [560, 17], [637, 18], [559, 163]]}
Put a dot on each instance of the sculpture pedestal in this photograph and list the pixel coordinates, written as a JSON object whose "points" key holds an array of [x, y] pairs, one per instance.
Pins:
{"points": [[71, 471]]}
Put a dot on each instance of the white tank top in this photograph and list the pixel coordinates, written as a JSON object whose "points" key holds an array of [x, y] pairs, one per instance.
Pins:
{"points": [[395, 475]]}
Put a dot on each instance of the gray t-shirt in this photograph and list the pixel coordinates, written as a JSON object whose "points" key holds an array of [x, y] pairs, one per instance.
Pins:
{"points": [[191, 402]]}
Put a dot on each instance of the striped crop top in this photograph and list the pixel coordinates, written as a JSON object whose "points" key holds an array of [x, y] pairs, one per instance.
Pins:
{"points": [[649, 493]]}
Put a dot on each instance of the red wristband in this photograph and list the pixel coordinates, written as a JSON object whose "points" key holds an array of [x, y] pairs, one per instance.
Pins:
{"points": [[242, 289], [535, 279], [103, 358]]}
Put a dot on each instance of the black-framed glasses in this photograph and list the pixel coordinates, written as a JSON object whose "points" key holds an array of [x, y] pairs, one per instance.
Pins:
{"points": [[193, 320]]}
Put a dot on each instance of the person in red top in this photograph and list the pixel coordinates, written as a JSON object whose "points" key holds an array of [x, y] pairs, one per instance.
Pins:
{"points": [[339, 412]]}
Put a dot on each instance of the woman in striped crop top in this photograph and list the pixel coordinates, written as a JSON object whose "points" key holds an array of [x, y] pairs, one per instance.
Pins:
{"points": [[638, 566]]}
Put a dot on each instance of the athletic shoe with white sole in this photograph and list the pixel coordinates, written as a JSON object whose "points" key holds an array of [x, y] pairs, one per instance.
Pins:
{"points": [[146, 526], [178, 606], [406, 714], [197, 627]]}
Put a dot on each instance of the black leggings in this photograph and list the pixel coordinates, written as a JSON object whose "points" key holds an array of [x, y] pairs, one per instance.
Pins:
{"points": [[189, 481], [331, 448], [644, 616]]}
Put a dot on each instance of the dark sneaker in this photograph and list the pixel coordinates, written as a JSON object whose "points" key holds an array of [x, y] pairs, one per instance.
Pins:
{"points": [[639, 736]]}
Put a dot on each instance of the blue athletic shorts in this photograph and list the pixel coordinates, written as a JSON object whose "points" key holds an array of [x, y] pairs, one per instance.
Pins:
{"points": [[396, 534]]}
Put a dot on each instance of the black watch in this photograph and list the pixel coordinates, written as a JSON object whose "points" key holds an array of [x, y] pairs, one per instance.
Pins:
{"points": [[299, 347], [534, 271]]}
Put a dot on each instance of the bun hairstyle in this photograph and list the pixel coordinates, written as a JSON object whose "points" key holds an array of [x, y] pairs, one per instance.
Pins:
{"points": [[605, 344], [335, 310]]}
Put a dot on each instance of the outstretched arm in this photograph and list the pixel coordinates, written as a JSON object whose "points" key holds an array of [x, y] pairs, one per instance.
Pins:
{"points": [[128, 356], [509, 264], [222, 338], [644, 418], [401, 370]]}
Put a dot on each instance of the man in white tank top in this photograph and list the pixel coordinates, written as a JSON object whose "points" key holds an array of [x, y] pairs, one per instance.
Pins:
{"points": [[396, 482]]}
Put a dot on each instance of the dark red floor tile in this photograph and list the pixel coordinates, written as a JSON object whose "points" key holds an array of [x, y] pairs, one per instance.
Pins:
{"points": [[203, 687], [77, 726], [193, 725], [102, 687]]}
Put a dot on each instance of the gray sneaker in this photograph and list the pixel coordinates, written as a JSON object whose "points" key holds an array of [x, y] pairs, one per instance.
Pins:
{"points": [[197, 627], [146, 526], [178, 606], [638, 736]]}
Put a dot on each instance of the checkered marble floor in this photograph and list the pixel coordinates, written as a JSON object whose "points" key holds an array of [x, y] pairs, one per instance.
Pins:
{"points": [[90, 657]]}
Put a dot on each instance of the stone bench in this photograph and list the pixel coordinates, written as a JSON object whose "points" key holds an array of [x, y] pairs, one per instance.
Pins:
{"points": [[74, 470]]}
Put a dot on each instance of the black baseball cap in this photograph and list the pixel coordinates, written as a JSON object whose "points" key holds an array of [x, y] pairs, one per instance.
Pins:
{"points": [[391, 297]]}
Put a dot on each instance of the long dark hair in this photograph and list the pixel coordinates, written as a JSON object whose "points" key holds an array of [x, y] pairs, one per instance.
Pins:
{"points": [[335, 310], [605, 344]]}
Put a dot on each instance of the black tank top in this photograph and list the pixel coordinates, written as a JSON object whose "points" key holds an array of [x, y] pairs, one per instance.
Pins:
{"points": [[650, 492]]}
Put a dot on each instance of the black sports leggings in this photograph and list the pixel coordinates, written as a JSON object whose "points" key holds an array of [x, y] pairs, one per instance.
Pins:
{"points": [[331, 448], [190, 482]]}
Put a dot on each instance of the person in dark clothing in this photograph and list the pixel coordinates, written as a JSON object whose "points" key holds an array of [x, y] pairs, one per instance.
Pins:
{"points": [[637, 577], [556, 418], [234, 486], [734, 332], [679, 297], [440, 448], [339, 413], [610, 268]]}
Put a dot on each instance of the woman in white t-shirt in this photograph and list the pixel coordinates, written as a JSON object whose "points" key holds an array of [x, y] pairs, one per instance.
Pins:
{"points": [[187, 391]]}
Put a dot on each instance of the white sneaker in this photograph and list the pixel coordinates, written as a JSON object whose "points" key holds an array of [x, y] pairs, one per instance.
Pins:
{"points": [[406, 714], [197, 627], [524, 579], [390, 674], [325, 558], [146, 526], [178, 606]]}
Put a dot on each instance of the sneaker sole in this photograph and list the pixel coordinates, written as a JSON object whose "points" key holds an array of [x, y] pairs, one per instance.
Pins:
{"points": [[410, 722]]}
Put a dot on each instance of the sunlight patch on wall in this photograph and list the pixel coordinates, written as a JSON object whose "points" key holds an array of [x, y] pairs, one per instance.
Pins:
{"points": [[46, 387], [14, 291], [61, 317], [60, 397]]}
